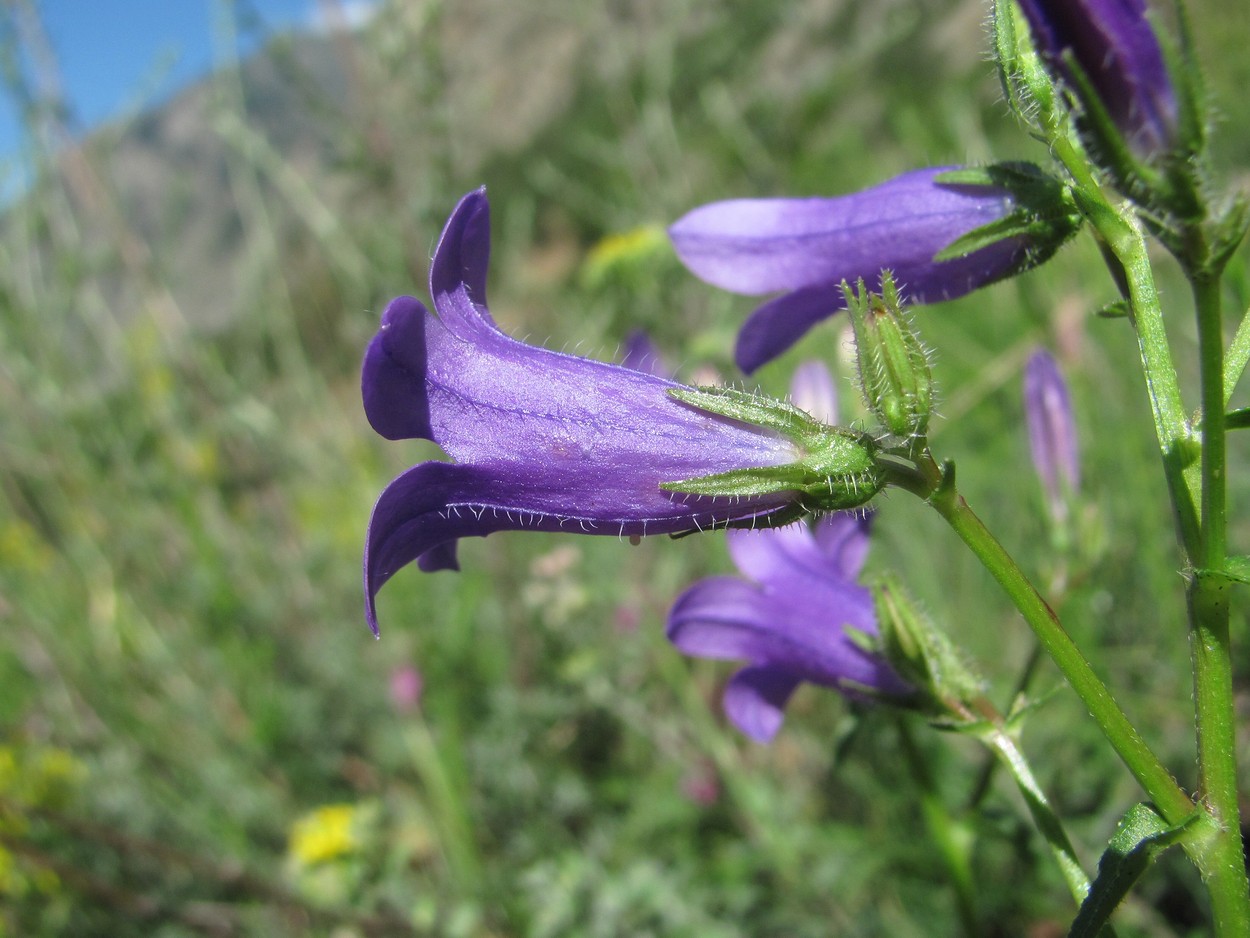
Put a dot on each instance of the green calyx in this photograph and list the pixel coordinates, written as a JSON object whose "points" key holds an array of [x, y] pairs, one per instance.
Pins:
{"points": [[893, 365], [1044, 214], [923, 655], [1026, 83], [836, 468]]}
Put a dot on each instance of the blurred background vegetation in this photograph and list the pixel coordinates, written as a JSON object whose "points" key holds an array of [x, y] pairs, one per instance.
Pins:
{"points": [[199, 735]]}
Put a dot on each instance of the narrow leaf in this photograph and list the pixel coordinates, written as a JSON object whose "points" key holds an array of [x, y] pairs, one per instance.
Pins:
{"points": [[1141, 835], [1237, 419]]}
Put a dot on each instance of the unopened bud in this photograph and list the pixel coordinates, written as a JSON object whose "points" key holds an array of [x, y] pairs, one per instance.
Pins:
{"points": [[922, 654], [893, 367]]}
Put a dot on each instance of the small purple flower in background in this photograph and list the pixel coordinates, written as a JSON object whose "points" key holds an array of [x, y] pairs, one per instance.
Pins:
{"points": [[1115, 47], [700, 784], [1052, 431], [790, 614], [406, 687], [807, 247], [812, 390], [543, 441], [640, 354]]}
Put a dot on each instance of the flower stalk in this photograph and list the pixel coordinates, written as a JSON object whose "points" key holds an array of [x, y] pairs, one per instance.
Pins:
{"points": [[1222, 863], [937, 486]]}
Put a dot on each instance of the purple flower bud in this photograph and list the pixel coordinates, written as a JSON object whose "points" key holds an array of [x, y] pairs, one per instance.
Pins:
{"points": [[790, 619], [1052, 430], [812, 390], [541, 440], [808, 247], [640, 354], [1113, 44]]}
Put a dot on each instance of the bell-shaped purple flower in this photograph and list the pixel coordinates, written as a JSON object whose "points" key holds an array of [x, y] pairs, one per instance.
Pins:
{"points": [[808, 247], [1114, 46], [789, 617], [541, 440], [1052, 431]]}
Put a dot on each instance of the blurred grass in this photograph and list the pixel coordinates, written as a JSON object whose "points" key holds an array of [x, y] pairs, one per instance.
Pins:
{"points": [[186, 678]]}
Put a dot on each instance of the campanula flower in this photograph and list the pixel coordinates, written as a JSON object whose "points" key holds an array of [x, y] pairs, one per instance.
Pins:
{"points": [[790, 613], [551, 442], [808, 247], [789, 617], [1052, 430], [1116, 50]]}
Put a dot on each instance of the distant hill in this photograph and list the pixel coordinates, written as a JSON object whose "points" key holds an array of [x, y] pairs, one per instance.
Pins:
{"points": [[193, 198]]}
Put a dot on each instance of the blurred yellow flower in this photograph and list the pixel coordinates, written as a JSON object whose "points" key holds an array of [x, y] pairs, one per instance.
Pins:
{"points": [[622, 251], [324, 834]]}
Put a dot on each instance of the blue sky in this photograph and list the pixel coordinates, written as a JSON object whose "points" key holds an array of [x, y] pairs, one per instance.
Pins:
{"points": [[115, 56]]}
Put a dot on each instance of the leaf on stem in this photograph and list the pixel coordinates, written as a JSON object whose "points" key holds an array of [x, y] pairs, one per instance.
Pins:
{"points": [[1141, 835]]}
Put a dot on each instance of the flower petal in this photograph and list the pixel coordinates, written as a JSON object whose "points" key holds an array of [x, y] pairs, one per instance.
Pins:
{"points": [[1052, 429], [801, 625], [843, 539], [808, 247], [458, 270], [392, 379], [755, 700], [421, 514], [1114, 44], [779, 323], [756, 246], [720, 617], [775, 554]]}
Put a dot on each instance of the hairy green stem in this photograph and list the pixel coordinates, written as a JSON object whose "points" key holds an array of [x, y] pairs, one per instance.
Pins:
{"points": [[938, 488], [1123, 236], [1048, 823], [1221, 858]]}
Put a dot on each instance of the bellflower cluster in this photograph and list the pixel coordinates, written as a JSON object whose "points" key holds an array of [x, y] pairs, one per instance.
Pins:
{"points": [[808, 247], [552, 442], [545, 441]]}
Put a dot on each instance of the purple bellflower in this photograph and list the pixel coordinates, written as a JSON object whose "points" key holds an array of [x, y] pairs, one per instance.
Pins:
{"points": [[808, 247], [790, 614], [790, 619], [1052, 431], [1114, 46], [541, 440]]}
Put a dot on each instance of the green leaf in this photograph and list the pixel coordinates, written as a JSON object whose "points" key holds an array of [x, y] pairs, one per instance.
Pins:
{"points": [[1141, 835], [1237, 419], [1117, 309], [1237, 568]]}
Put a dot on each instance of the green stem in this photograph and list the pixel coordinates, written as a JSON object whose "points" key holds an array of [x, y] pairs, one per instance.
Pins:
{"points": [[1220, 858], [450, 811], [985, 778], [1211, 356], [939, 490], [1048, 823], [952, 838], [1123, 235]]}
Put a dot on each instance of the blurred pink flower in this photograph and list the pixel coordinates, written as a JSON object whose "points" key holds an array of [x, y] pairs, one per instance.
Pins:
{"points": [[406, 686]]}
